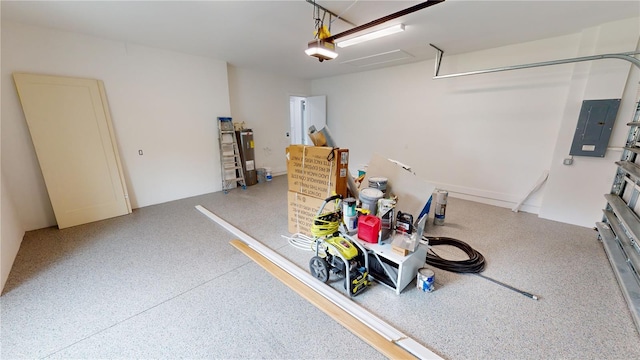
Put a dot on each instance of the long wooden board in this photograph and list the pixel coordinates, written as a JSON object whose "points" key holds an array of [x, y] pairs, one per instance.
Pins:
{"points": [[378, 342]]}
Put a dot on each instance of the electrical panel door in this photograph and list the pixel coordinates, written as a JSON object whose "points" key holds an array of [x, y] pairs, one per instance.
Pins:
{"points": [[595, 124]]}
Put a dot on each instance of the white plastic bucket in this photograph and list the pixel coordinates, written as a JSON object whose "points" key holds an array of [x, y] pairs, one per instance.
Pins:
{"points": [[369, 198], [379, 183]]}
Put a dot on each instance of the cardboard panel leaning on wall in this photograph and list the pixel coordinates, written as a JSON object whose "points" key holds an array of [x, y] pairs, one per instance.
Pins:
{"points": [[413, 192]]}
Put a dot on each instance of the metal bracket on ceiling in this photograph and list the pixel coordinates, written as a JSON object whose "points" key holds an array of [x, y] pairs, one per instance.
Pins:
{"points": [[628, 56], [331, 13], [384, 19], [438, 59]]}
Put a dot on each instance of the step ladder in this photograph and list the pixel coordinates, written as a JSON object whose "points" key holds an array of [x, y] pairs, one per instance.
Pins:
{"points": [[230, 161]]}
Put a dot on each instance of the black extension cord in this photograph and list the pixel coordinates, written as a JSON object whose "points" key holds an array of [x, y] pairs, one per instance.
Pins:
{"points": [[475, 263]]}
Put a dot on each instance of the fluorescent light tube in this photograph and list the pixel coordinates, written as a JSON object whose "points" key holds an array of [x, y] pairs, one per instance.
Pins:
{"points": [[315, 51], [372, 35]]}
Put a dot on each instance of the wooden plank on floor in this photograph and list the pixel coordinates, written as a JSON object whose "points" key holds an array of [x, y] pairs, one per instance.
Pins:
{"points": [[368, 335]]}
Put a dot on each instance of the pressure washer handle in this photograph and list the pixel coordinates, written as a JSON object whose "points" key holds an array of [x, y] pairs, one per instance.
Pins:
{"points": [[334, 197], [326, 201]]}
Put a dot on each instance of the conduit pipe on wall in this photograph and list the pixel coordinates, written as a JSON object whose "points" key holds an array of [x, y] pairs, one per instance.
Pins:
{"points": [[367, 318], [624, 56]]}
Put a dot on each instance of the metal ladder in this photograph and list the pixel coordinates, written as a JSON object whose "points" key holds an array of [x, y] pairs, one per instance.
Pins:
{"points": [[230, 161], [619, 230]]}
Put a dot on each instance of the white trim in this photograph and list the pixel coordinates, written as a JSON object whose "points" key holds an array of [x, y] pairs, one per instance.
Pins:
{"points": [[487, 197], [367, 318]]}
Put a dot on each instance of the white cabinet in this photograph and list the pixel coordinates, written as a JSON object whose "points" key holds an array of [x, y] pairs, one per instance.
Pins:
{"points": [[399, 270]]}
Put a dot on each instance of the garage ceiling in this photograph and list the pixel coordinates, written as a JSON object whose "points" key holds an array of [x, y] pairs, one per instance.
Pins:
{"points": [[272, 35]]}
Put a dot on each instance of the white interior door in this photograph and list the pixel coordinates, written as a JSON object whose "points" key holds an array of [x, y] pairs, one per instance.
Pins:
{"points": [[296, 116], [315, 113], [71, 130]]}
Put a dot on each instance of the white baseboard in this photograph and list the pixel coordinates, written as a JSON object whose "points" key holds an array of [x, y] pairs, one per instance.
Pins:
{"points": [[482, 196], [488, 197]]}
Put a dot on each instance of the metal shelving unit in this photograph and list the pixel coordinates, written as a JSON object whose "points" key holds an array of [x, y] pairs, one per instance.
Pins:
{"points": [[619, 230]]}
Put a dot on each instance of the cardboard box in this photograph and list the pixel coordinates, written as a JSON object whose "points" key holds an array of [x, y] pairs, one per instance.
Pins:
{"points": [[302, 209], [403, 245], [400, 251], [317, 171]]}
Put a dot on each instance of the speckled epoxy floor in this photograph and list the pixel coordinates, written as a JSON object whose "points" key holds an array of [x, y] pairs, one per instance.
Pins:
{"points": [[163, 282]]}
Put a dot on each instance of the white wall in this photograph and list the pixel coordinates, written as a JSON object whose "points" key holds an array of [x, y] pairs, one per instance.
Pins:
{"points": [[12, 233], [162, 102], [574, 194], [486, 137], [261, 100]]}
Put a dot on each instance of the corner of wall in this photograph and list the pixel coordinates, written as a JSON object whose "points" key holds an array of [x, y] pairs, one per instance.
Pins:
{"points": [[262, 100]]}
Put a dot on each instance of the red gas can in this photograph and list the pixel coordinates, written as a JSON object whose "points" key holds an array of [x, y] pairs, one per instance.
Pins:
{"points": [[368, 228]]}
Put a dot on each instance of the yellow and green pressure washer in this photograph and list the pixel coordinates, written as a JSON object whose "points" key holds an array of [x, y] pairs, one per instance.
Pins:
{"points": [[336, 252]]}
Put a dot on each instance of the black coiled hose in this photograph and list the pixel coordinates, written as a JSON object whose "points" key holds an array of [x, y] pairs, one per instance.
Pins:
{"points": [[475, 264]]}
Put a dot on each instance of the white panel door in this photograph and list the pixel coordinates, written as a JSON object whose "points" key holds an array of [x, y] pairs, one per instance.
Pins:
{"points": [[71, 130], [296, 116], [315, 113]]}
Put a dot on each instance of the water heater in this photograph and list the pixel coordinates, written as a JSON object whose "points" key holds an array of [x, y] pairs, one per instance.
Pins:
{"points": [[247, 155]]}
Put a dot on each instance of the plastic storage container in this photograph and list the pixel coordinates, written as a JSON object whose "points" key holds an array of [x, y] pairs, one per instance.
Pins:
{"points": [[261, 175], [368, 228]]}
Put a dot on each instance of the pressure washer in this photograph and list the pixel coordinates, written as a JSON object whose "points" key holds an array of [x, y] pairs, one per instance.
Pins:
{"points": [[336, 252]]}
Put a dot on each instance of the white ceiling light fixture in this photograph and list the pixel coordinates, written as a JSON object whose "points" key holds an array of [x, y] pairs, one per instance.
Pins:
{"points": [[323, 34], [372, 35], [321, 49]]}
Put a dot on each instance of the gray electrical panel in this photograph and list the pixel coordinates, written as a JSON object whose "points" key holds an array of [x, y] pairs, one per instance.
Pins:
{"points": [[595, 124]]}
